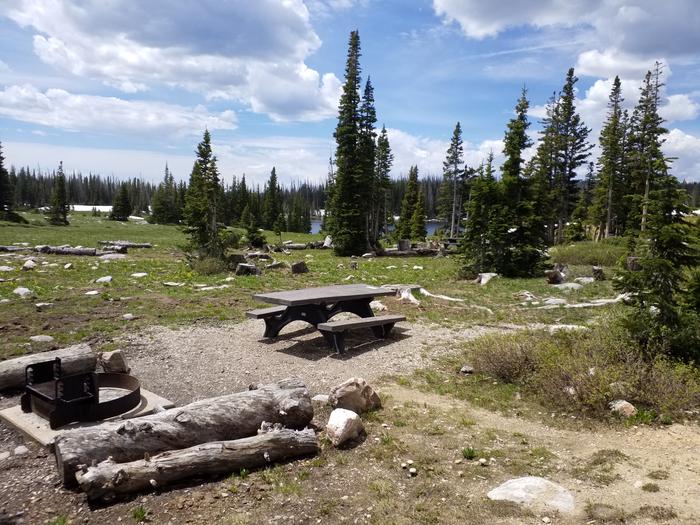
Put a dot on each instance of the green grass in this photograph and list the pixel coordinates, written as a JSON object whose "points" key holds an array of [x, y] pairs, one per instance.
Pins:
{"points": [[607, 252], [140, 514]]}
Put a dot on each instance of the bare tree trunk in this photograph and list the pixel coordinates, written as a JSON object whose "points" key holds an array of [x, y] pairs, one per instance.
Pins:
{"points": [[221, 418], [76, 359], [109, 479]]}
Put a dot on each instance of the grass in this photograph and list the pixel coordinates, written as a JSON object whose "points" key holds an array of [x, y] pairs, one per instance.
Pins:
{"points": [[599, 469], [651, 487], [607, 252], [140, 514]]}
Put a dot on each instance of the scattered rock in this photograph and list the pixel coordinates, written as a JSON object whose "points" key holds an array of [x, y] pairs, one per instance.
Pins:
{"points": [[41, 339], [68, 266], [598, 273], [114, 362], [377, 306], [328, 242], [340, 266], [112, 256], [483, 462], [391, 267], [484, 278], [299, 267], [21, 450], [535, 492], [139, 275], [105, 279], [416, 267], [356, 395], [93, 292], [6, 269], [524, 295], [320, 398], [247, 269], [412, 471], [4, 455], [349, 278], [466, 370], [29, 264], [343, 425], [173, 284], [22, 292], [584, 280], [128, 317], [567, 287], [622, 407], [368, 255], [554, 301]]}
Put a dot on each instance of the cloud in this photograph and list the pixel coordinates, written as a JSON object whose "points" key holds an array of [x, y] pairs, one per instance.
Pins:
{"points": [[679, 107], [60, 109], [686, 149], [252, 52], [609, 63]]}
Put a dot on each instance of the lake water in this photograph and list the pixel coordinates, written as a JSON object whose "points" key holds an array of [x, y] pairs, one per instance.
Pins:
{"points": [[430, 226]]}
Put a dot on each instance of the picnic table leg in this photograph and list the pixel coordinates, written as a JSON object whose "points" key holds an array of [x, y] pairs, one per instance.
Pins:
{"points": [[312, 314], [382, 331], [336, 340]]}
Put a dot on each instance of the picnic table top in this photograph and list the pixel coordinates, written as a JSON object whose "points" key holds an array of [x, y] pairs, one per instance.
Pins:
{"points": [[323, 294]]}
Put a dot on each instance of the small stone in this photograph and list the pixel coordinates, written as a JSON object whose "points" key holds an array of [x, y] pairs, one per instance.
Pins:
{"points": [[483, 462], [68, 266], [105, 279], [114, 362], [412, 471], [409, 462], [622, 407], [354, 265], [377, 306], [92, 292], [42, 306], [173, 284], [368, 255], [30, 264], [22, 292], [320, 398], [416, 267], [466, 370], [4, 455], [41, 339], [138, 275], [128, 317], [404, 465], [21, 450], [6, 269], [546, 519]]}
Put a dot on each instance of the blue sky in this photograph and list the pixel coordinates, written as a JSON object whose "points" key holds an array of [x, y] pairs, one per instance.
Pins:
{"points": [[122, 87]]}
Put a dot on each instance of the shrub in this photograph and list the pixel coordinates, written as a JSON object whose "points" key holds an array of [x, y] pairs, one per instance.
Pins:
{"points": [[209, 266]]}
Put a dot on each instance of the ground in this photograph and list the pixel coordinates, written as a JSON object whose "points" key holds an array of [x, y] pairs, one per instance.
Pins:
{"points": [[189, 344]]}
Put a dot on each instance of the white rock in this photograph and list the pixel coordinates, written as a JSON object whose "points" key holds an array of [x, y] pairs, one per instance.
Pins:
{"points": [[328, 242], [29, 264], [320, 398], [377, 306], [356, 395], [112, 256], [416, 267], [6, 269], [21, 450], [368, 255], [484, 278], [105, 279], [22, 292], [92, 292], [171, 283], [554, 301], [412, 471], [128, 317], [138, 275], [229, 279], [567, 287], [343, 425], [584, 280], [114, 362], [391, 267], [4, 455], [41, 339], [4, 301], [68, 266], [622, 407], [532, 491]]}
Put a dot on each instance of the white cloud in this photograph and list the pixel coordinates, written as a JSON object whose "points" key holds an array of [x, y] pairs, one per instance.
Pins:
{"points": [[609, 63], [59, 109], [252, 52], [679, 107], [686, 149]]}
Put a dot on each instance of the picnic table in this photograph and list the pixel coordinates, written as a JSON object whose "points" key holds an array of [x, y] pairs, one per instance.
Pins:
{"points": [[316, 306]]}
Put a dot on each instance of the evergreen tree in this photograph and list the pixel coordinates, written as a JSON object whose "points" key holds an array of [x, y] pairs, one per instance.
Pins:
{"points": [[272, 202], [418, 231], [164, 208], [121, 207], [279, 226], [452, 186], [58, 211], [408, 206], [367, 157], [201, 202], [383, 162], [6, 193], [348, 220]]}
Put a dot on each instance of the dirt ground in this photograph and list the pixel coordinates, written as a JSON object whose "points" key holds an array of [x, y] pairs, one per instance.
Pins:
{"points": [[605, 468]]}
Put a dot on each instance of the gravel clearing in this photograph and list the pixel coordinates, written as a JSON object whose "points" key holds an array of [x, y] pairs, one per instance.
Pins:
{"points": [[197, 362]]}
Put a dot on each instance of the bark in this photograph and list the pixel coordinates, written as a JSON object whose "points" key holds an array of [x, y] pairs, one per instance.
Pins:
{"points": [[15, 249], [109, 479], [65, 250], [76, 359], [227, 417], [128, 244]]}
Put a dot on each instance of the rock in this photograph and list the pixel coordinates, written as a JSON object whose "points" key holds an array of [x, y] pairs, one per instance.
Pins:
{"points": [[535, 492], [4, 455], [584, 280], [622, 408], [483, 462], [391, 267], [68, 266], [114, 362], [22, 292], [247, 269], [356, 395], [354, 265], [340, 266], [328, 242], [320, 398], [466, 370], [524, 295], [554, 276], [343, 425], [21, 450], [29, 264], [412, 471], [404, 245], [42, 306], [105, 279], [93, 292], [299, 267], [138, 275], [41, 339], [484, 278], [598, 273], [173, 284], [128, 317], [554, 301], [112, 256], [377, 306], [6, 269], [567, 287], [416, 267], [368, 255]]}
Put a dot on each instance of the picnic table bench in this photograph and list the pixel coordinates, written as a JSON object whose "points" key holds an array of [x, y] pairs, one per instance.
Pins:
{"points": [[317, 306]]}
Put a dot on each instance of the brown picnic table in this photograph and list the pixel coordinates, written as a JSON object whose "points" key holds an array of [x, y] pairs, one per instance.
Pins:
{"points": [[317, 306]]}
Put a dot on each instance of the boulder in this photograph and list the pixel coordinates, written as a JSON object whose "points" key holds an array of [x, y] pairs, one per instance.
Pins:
{"points": [[343, 425], [534, 492], [22, 292], [300, 267], [68, 266], [320, 398], [554, 301], [114, 362], [112, 256], [584, 280], [622, 408], [356, 395], [598, 273], [29, 264], [247, 269]]}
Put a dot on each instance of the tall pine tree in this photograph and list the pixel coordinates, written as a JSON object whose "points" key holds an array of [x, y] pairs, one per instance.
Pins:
{"points": [[404, 229], [272, 201], [58, 210], [452, 183], [121, 207]]}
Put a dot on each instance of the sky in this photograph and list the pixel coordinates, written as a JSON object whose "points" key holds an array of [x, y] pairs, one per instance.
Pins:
{"points": [[121, 87]]}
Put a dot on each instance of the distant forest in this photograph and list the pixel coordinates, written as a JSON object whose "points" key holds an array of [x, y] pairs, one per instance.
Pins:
{"points": [[32, 189]]}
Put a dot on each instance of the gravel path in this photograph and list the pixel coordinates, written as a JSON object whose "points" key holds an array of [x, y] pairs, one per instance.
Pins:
{"points": [[197, 362]]}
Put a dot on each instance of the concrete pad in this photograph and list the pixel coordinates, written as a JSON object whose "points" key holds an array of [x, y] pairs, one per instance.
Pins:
{"points": [[37, 428]]}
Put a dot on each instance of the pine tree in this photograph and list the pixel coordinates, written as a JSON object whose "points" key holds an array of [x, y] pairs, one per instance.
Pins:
{"points": [[121, 207], [7, 198], [164, 201], [348, 220], [367, 156], [418, 231], [58, 210], [201, 203], [272, 202], [451, 189], [279, 226], [408, 206], [383, 162]]}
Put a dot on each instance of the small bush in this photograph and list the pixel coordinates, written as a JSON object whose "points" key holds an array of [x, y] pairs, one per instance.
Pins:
{"points": [[469, 453], [507, 359], [209, 266]]}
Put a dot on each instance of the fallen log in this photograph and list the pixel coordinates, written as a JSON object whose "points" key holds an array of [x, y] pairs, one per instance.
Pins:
{"points": [[128, 244], [76, 359], [65, 250], [227, 417], [109, 479], [15, 249], [296, 246]]}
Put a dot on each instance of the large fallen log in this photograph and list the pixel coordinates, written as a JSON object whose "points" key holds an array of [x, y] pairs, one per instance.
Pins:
{"points": [[76, 359], [109, 479], [128, 244], [227, 417], [65, 250], [15, 248]]}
